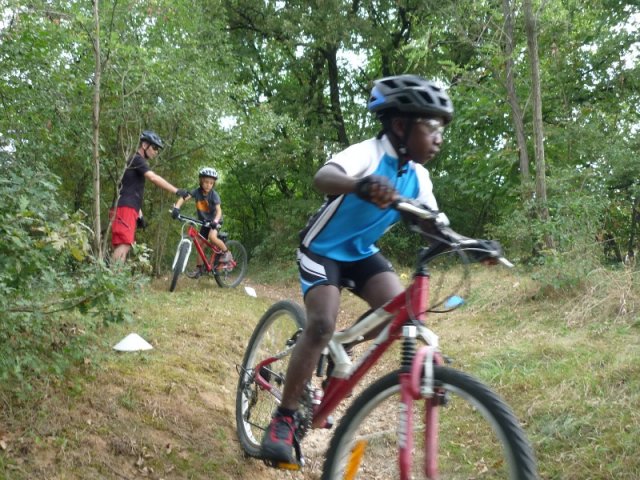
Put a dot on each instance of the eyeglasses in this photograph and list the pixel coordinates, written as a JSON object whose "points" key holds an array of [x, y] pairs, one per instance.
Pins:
{"points": [[151, 145], [434, 126]]}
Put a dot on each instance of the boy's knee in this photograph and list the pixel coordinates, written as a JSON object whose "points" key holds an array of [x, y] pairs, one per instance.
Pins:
{"points": [[320, 328]]}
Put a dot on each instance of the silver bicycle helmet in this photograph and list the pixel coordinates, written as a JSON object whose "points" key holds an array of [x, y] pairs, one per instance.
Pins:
{"points": [[208, 172], [410, 94], [151, 137]]}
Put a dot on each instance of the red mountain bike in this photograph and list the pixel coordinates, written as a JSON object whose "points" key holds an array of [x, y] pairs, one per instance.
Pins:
{"points": [[423, 420], [227, 274]]}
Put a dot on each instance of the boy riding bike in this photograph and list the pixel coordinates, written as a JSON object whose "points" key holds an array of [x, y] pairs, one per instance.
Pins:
{"points": [[208, 210], [338, 242]]}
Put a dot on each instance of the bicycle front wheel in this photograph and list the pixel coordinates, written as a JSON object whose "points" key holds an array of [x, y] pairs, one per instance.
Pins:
{"points": [[183, 251], [230, 274], [276, 331], [478, 435]]}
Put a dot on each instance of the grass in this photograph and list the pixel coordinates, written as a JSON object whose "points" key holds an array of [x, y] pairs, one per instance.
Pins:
{"points": [[567, 364]]}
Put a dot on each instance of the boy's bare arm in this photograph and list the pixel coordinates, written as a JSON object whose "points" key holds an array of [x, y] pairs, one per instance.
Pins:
{"points": [[181, 201], [331, 180]]}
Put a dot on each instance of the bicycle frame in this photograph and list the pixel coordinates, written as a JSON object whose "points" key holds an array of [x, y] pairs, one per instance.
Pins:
{"points": [[410, 305], [406, 312], [198, 240]]}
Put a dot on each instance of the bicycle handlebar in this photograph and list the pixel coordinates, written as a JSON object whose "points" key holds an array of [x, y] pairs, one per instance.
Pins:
{"points": [[195, 221], [448, 236]]}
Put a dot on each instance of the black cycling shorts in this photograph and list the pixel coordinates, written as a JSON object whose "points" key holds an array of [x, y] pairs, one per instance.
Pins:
{"points": [[318, 270], [204, 231]]}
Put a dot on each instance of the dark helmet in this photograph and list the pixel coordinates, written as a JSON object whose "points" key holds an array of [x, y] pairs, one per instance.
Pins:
{"points": [[410, 94], [208, 172], [151, 137]]}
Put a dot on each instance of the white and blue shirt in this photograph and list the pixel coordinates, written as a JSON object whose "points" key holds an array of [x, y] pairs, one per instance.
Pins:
{"points": [[346, 227]]}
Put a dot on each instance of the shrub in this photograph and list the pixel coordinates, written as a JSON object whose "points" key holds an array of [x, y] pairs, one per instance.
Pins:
{"points": [[52, 291], [575, 219]]}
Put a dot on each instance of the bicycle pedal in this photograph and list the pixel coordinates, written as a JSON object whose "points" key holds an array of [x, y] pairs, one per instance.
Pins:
{"points": [[283, 465], [443, 399]]}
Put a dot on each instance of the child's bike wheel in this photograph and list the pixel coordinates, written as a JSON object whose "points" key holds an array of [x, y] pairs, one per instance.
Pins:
{"points": [[276, 331], [230, 274], [478, 434], [183, 251]]}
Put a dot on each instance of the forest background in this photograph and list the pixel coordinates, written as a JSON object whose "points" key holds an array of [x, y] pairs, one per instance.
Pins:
{"points": [[542, 154]]}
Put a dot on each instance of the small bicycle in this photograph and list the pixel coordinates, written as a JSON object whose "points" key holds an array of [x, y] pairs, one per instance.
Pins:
{"points": [[227, 274], [441, 423]]}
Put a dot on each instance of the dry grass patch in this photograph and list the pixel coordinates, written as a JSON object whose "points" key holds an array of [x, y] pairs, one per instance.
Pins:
{"points": [[568, 366]]}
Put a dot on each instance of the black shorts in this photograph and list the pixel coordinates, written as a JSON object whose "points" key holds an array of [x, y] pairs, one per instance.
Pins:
{"points": [[204, 231], [318, 270]]}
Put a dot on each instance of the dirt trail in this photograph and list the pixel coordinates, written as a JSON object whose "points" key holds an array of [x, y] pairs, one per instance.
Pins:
{"points": [[164, 414]]}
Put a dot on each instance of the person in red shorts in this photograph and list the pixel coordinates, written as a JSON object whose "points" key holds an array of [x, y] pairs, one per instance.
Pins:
{"points": [[128, 210]]}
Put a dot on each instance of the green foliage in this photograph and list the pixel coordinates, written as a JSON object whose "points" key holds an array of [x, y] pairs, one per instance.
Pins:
{"points": [[139, 260], [575, 223], [265, 94], [51, 292], [401, 245]]}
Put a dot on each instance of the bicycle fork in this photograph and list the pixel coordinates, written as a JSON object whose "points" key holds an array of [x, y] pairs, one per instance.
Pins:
{"points": [[186, 258], [416, 383]]}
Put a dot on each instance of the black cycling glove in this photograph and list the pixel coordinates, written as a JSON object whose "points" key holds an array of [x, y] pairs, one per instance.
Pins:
{"points": [[181, 192], [366, 186]]}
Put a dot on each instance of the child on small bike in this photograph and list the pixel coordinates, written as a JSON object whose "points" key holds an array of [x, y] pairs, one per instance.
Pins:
{"points": [[209, 211]]}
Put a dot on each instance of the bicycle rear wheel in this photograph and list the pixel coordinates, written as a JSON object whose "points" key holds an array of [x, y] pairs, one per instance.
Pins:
{"points": [[230, 274], [275, 332], [479, 436]]}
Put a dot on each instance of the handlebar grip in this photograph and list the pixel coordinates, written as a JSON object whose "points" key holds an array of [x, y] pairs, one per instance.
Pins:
{"points": [[184, 218]]}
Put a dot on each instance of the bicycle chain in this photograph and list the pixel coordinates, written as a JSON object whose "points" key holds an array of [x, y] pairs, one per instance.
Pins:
{"points": [[304, 414]]}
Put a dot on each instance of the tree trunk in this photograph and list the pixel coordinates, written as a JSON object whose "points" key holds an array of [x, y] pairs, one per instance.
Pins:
{"points": [[96, 133], [516, 111], [538, 131], [632, 235], [331, 55]]}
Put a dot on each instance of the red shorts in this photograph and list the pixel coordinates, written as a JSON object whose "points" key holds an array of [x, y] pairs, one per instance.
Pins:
{"points": [[123, 228]]}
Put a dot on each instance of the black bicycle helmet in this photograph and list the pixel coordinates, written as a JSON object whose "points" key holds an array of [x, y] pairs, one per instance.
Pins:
{"points": [[151, 137], [410, 94], [208, 172]]}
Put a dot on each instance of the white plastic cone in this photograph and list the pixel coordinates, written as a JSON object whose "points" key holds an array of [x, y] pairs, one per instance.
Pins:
{"points": [[132, 343]]}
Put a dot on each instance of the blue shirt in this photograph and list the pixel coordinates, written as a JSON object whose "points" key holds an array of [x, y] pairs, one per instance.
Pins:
{"points": [[346, 228]]}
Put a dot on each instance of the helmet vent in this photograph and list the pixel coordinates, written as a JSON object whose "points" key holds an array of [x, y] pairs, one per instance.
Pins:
{"points": [[428, 98]]}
